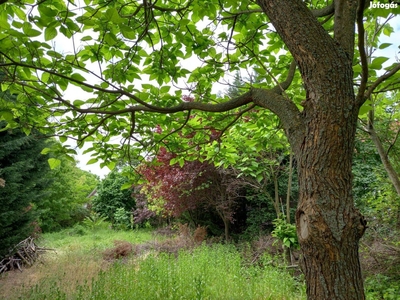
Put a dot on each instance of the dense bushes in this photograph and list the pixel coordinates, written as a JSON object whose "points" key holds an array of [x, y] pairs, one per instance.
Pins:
{"points": [[114, 203]]}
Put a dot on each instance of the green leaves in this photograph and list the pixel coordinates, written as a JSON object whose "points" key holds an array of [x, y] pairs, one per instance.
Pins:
{"points": [[53, 163], [111, 165], [6, 115], [48, 11], [4, 20], [377, 62], [112, 15], [385, 45], [286, 233], [45, 77], [111, 197], [50, 33], [365, 108], [127, 31], [29, 31], [110, 39], [92, 161], [109, 58], [78, 77]]}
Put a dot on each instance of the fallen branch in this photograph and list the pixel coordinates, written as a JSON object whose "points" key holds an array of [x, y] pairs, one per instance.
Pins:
{"points": [[25, 252]]}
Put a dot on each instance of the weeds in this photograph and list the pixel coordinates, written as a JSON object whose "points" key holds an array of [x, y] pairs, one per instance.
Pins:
{"points": [[206, 272]]}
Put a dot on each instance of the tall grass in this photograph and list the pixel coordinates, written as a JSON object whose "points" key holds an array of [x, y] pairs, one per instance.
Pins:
{"points": [[206, 272]]}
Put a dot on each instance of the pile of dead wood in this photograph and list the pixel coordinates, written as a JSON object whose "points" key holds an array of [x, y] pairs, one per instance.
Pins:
{"points": [[24, 253]]}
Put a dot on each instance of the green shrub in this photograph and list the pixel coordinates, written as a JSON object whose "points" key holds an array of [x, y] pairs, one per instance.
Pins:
{"points": [[121, 219], [382, 287], [78, 230], [94, 221], [286, 233]]}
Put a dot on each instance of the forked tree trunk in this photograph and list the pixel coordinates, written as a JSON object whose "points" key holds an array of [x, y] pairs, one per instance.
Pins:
{"points": [[322, 139]]}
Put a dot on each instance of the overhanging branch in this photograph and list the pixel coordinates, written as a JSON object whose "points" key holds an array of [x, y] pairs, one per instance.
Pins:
{"points": [[320, 12]]}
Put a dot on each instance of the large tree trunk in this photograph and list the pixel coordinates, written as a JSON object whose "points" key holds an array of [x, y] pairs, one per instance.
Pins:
{"points": [[329, 227], [322, 139]]}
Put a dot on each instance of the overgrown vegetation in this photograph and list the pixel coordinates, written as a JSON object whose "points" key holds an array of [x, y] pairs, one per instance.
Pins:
{"points": [[35, 198], [319, 102], [154, 270], [101, 263]]}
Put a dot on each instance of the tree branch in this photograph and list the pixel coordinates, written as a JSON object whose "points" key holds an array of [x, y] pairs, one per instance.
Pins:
{"points": [[321, 12], [306, 48], [325, 11], [393, 142], [363, 56], [284, 85], [239, 115], [285, 109], [178, 129], [345, 15], [381, 79]]}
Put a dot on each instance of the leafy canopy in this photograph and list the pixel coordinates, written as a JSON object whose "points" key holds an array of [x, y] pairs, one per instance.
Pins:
{"points": [[93, 71], [127, 58]]}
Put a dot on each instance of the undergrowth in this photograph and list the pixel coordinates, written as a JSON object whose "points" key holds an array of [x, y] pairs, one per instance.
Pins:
{"points": [[207, 272], [380, 260], [83, 266], [78, 271]]}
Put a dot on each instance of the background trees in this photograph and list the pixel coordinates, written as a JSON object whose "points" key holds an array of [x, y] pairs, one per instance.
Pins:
{"points": [[113, 202], [66, 199], [34, 197], [22, 167]]}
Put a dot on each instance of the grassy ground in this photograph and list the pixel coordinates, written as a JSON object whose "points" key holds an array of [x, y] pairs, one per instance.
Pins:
{"points": [[77, 270]]}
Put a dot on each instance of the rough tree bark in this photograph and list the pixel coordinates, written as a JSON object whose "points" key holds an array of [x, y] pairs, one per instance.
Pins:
{"points": [[322, 139]]}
